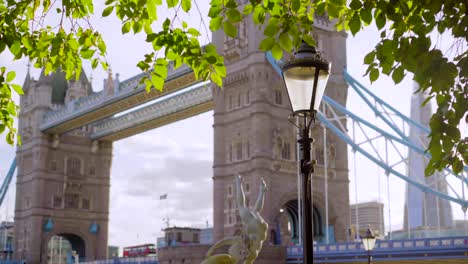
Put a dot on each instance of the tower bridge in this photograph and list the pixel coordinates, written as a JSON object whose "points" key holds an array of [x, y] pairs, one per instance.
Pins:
{"points": [[63, 177]]}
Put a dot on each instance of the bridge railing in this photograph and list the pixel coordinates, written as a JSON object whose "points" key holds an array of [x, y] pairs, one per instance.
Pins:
{"points": [[385, 245], [137, 260]]}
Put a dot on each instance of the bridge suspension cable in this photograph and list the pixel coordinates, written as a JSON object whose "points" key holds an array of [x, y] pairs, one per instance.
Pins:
{"points": [[7, 181], [385, 111], [336, 126]]}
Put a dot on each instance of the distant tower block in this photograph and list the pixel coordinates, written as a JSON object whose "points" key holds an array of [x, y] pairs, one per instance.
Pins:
{"points": [[63, 181], [253, 137], [424, 209]]}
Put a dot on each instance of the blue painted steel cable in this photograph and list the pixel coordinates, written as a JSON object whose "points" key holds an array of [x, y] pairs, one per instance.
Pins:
{"points": [[7, 181], [356, 147]]}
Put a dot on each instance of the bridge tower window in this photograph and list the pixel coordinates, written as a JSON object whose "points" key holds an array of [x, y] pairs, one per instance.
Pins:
{"points": [[57, 202], [92, 170], [286, 151], [319, 157], [85, 204], [73, 166], [72, 200], [278, 97], [230, 102], [53, 165], [239, 151]]}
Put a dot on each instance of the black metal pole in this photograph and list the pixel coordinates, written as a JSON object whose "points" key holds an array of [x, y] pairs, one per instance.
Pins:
{"points": [[306, 166], [369, 257]]}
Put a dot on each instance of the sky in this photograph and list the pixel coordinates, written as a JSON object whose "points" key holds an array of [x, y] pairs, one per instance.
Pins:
{"points": [[177, 159]]}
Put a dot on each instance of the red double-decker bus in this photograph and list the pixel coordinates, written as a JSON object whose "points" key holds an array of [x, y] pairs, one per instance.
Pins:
{"points": [[145, 250]]}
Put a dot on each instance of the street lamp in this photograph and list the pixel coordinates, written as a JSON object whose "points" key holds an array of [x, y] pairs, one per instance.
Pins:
{"points": [[305, 76], [369, 243]]}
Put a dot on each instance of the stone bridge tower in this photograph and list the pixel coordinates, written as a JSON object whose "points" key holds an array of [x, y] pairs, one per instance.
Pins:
{"points": [[63, 181], [253, 137]]}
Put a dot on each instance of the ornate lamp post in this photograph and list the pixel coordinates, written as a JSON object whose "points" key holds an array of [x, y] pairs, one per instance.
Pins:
{"points": [[369, 243], [306, 76]]}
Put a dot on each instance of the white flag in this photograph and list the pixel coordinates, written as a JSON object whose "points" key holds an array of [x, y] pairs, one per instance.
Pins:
{"points": [[163, 197]]}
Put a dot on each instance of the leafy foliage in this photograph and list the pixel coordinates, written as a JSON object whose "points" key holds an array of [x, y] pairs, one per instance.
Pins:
{"points": [[406, 46]]}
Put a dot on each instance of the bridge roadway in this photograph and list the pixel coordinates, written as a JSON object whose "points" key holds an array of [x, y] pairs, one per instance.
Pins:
{"points": [[127, 95]]}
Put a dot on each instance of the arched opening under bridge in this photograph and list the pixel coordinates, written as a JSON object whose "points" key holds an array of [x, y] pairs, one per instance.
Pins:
{"points": [[61, 247]]}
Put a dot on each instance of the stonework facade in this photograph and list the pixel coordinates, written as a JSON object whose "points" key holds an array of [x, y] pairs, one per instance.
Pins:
{"points": [[63, 181], [253, 137]]}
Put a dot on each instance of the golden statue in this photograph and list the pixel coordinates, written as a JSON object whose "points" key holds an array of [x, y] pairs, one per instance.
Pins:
{"points": [[245, 247]]}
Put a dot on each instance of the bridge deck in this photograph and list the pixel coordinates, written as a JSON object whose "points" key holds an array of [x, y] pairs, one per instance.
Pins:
{"points": [[189, 103], [129, 94]]}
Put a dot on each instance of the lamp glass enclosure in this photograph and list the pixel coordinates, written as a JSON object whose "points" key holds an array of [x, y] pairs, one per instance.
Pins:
{"points": [[369, 242], [300, 83]]}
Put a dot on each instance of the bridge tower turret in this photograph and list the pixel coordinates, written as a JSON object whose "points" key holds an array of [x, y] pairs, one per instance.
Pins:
{"points": [[63, 180], [253, 137]]}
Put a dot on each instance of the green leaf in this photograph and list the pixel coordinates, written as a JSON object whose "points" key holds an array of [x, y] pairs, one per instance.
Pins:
{"points": [[193, 32], [17, 89], [272, 28], [380, 20], [95, 63], [221, 70], [107, 11], [295, 5], [355, 4], [285, 42], [126, 27], [398, 74], [267, 44], [373, 75], [333, 10], [15, 48], [87, 54], [234, 15], [248, 9], [276, 51], [172, 3], [102, 46], [355, 24], [457, 166], [137, 26], [27, 43], [216, 79], [230, 29], [186, 5], [215, 23], [366, 16], [11, 76], [309, 40], [369, 58]]}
